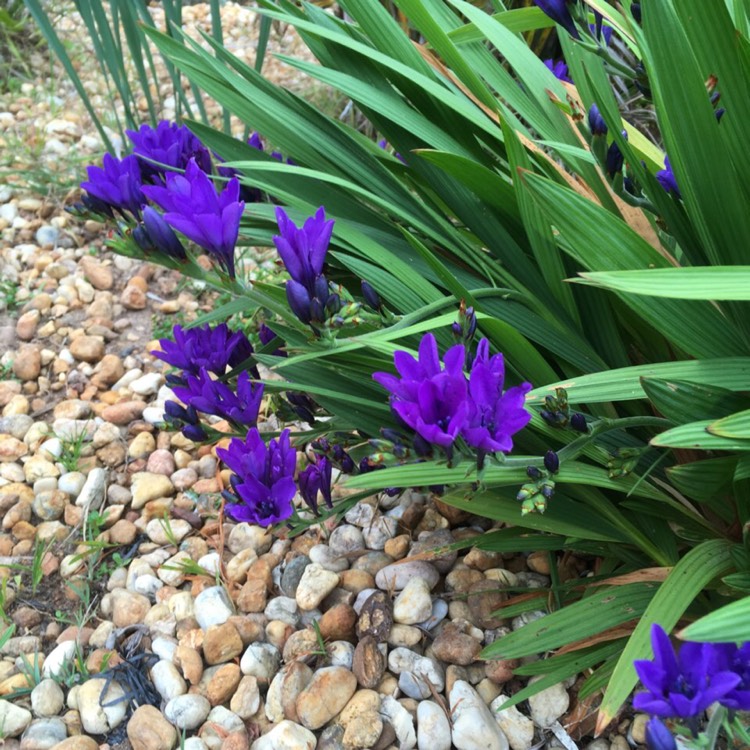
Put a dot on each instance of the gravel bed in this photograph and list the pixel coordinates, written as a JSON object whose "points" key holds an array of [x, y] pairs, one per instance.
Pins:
{"points": [[141, 620]]}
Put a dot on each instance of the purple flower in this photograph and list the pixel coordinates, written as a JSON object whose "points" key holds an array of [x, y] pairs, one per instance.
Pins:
{"points": [[683, 686], [494, 416], [212, 349], [314, 479], [169, 144], [263, 481], [303, 249], [430, 399], [597, 126], [156, 235], [736, 659], [667, 179], [658, 737], [194, 208], [559, 69], [559, 12], [211, 396], [117, 184]]}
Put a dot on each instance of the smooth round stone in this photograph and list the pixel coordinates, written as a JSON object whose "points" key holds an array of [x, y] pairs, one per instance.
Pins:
{"points": [[548, 705], [71, 482], [47, 698], [13, 718], [346, 539], [286, 735], [433, 727], [403, 660], [336, 684], [213, 607], [437, 615], [322, 555], [167, 680], [340, 654], [396, 576], [315, 585], [95, 717], [17, 425], [187, 711], [43, 734], [414, 603]]}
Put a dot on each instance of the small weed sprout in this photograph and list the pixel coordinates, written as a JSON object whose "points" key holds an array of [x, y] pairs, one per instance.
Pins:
{"points": [[72, 449]]}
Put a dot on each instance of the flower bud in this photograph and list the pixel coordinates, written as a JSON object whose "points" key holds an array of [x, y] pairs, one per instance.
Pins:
{"points": [[371, 296], [658, 737], [162, 235], [578, 423], [597, 126], [299, 300], [533, 473], [551, 462]]}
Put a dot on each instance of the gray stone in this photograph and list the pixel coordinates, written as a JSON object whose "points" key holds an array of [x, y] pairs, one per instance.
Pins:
{"points": [[292, 574], [213, 607], [397, 575]]}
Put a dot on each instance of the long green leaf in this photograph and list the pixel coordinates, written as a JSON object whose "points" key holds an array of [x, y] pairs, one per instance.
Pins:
{"points": [[711, 283], [624, 384], [729, 624]]}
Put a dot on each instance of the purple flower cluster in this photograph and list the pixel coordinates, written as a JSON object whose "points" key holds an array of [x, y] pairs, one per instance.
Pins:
{"points": [[684, 685], [167, 147], [203, 347], [194, 208], [203, 355], [190, 201], [210, 396], [117, 184], [262, 482], [440, 404], [303, 252]]}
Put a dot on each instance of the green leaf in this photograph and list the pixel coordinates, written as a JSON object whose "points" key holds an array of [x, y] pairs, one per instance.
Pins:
{"points": [[517, 20], [734, 426], [625, 384], [728, 624], [710, 283], [688, 578], [606, 607], [598, 239], [696, 436], [683, 401], [705, 481]]}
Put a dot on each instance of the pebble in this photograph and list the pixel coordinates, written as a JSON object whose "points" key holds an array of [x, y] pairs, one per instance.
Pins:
{"points": [[261, 660], [13, 718], [187, 711], [87, 348], [518, 729], [149, 730], [95, 718], [47, 698], [145, 486], [396, 576], [414, 603], [246, 699], [326, 695], [213, 607], [433, 727], [314, 586], [167, 680], [548, 705], [474, 726], [43, 734], [286, 735], [401, 721], [58, 659], [92, 490]]}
